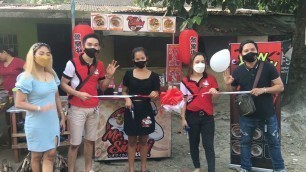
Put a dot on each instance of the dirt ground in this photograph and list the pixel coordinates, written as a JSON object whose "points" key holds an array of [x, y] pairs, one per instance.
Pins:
{"points": [[293, 146]]}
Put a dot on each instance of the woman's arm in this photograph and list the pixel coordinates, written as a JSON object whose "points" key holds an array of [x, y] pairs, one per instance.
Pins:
{"points": [[60, 112], [128, 101], [21, 103], [156, 87], [215, 94], [183, 114]]}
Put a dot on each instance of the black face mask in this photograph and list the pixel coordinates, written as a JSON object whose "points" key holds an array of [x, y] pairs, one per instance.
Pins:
{"points": [[91, 52], [250, 57], [140, 64]]}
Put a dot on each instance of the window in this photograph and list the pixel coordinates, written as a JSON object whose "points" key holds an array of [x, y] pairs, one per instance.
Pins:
{"points": [[9, 41]]}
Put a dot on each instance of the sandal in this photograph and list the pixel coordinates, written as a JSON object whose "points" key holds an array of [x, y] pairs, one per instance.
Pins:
{"points": [[6, 166]]}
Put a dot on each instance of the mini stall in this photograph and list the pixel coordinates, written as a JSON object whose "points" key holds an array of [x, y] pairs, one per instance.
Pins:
{"points": [[17, 134], [112, 142]]}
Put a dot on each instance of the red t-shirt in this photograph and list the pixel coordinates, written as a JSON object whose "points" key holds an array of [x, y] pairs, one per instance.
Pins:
{"points": [[10, 73], [77, 71], [197, 103]]}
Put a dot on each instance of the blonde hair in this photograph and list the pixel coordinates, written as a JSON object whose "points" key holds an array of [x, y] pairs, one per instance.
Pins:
{"points": [[31, 65]]}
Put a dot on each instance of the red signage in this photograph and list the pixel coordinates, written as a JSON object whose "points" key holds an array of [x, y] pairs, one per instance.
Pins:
{"points": [[174, 65], [78, 34], [135, 23]]}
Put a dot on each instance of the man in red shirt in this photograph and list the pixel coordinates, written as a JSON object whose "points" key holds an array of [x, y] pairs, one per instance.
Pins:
{"points": [[10, 68], [85, 73]]}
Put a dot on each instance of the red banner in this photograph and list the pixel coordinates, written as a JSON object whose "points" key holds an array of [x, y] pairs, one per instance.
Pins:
{"points": [[174, 65], [268, 51]]}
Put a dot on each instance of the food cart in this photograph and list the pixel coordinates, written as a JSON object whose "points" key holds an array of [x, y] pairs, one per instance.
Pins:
{"points": [[112, 142]]}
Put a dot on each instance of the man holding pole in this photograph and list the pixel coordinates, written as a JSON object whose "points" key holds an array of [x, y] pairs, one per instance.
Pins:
{"points": [[85, 73]]}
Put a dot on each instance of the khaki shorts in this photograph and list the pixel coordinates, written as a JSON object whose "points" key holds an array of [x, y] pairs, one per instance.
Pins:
{"points": [[80, 119]]}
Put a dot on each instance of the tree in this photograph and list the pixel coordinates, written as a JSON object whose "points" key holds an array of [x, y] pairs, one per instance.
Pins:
{"points": [[295, 92]]}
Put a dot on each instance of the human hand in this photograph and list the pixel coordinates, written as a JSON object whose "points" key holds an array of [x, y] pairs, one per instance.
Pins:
{"points": [[228, 79], [171, 87], [154, 94], [47, 107], [63, 125], [257, 91], [184, 123], [83, 96], [128, 103], [111, 68], [213, 91]]}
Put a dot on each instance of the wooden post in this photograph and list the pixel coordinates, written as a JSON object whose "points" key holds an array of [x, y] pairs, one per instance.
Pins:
{"points": [[14, 142]]}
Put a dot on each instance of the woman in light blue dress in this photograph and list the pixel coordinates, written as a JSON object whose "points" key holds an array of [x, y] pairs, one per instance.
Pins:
{"points": [[38, 94]]}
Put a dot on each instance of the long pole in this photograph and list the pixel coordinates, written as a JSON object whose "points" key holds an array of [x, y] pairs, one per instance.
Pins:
{"points": [[72, 6], [72, 14]]}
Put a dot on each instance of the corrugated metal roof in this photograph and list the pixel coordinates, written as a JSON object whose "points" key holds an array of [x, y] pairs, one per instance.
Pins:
{"points": [[80, 7], [108, 6], [106, 2]]}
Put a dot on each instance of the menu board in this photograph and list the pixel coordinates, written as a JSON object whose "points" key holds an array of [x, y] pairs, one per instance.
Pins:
{"points": [[135, 23]]}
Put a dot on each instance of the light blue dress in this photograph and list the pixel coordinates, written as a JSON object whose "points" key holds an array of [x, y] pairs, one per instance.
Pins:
{"points": [[41, 128]]}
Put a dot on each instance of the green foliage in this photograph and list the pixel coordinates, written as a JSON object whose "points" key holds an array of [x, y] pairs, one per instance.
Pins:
{"points": [[197, 12], [282, 6]]}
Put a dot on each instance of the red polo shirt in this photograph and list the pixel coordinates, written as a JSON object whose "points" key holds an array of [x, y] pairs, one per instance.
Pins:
{"points": [[197, 103], [10, 73], [77, 71]]}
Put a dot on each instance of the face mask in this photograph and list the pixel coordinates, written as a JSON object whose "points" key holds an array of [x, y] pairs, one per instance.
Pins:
{"points": [[91, 52], [43, 61], [140, 64], [250, 57], [199, 68]]}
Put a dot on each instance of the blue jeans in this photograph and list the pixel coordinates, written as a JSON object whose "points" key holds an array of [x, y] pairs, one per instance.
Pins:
{"points": [[247, 127]]}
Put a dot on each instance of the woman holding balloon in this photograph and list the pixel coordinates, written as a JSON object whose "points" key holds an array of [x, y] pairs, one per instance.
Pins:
{"points": [[197, 114]]}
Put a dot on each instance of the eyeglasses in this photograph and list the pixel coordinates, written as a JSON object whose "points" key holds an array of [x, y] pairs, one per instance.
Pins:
{"points": [[40, 44]]}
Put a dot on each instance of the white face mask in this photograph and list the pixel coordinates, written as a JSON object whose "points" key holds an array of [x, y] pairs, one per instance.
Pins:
{"points": [[199, 68]]}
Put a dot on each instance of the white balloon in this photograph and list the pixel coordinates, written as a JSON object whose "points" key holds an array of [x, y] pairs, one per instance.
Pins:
{"points": [[220, 61]]}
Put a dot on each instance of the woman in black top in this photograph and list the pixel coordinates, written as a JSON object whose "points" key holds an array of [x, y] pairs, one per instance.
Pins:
{"points": [[139, 118]]}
